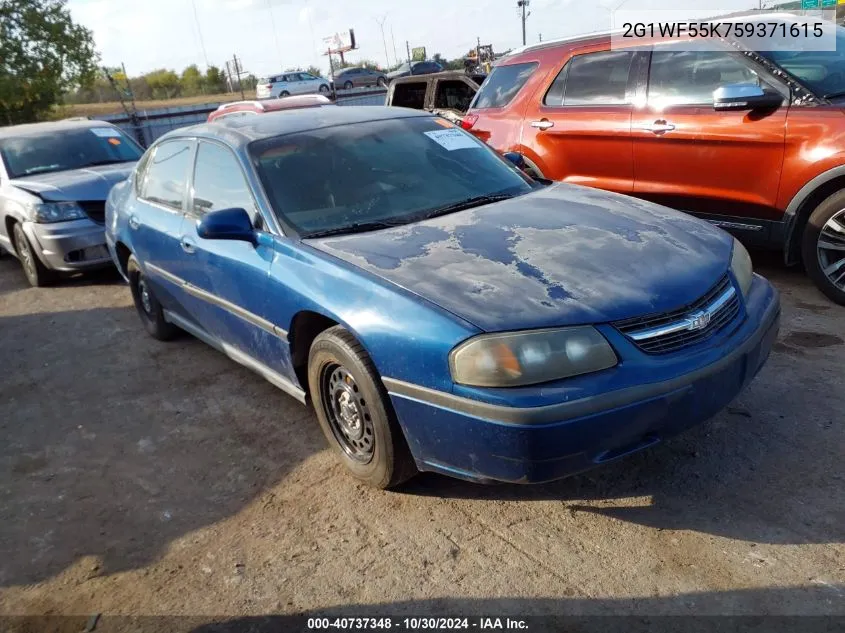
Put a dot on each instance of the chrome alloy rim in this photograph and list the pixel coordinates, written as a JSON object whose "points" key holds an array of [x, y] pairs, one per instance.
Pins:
{"points": [[347, 413], [144, 296], [831, 249]]}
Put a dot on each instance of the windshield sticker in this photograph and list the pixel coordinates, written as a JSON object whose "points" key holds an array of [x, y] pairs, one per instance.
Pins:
{"points": [[452, 139], [105, 132], [114, 140]]}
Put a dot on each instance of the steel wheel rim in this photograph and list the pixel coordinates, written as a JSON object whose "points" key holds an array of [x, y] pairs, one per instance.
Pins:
{"points": [[26, 256], [830, 248], [348, 413], [144, 297]]}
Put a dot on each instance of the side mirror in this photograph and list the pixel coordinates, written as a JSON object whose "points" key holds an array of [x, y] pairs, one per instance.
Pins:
{"points": [[745, 97], [226, 224], [516, 159]]}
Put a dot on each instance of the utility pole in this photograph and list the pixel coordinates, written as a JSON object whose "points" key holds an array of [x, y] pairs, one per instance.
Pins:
{"points": [[408, 47], [522, 5], [541, 37], [132, 114], [383, 40], [238, 72], [393, 39]]}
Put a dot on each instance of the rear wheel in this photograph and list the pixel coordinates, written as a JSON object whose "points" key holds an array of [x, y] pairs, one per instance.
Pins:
{"points": [[284, 93], [37, 274], [355, 412], [148, 307], [823, 247], [381, 82], [347, 85]]}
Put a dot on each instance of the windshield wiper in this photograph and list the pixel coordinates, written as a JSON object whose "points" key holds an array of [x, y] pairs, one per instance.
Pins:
{"points": [[108, 161], [358, 227], [475, 201], [835, 95]]}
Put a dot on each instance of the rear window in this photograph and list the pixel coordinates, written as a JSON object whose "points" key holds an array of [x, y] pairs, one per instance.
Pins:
{"points": [[502, 85], [410, 95]]}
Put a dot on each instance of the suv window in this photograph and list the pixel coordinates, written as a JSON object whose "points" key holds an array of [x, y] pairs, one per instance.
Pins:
{"points": [[592, 79], [410, 95], [219, 182], [685, 77], [503, 84], [165, 180], [453, 94]]}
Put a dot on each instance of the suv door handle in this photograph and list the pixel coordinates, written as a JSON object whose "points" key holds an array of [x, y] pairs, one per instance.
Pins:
{"points": [[188, 246], [542, 124], [659, 127]]}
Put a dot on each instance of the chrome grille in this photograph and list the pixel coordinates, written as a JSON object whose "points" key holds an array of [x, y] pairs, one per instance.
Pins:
{"points": [[671, 331], [95, 210]]}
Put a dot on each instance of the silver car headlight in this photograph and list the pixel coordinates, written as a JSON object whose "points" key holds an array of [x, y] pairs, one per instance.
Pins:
{"points": [[47, 212], [741, 267], [527, 358]]}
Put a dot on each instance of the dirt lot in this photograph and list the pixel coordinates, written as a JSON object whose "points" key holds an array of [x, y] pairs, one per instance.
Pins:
{"points": [[114, 107], [148, 478]]}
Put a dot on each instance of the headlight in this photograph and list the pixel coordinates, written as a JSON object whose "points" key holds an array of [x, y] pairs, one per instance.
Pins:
{"points": [[46, 212], [741, 267], [528, 358]]}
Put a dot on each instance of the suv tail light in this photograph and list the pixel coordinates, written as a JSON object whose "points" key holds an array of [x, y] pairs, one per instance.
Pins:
{"points": [[468, 121]]}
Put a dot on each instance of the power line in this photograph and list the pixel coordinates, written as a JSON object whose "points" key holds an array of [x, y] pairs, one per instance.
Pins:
{"points": [[199, 31], [275, 35], [383, 39]]}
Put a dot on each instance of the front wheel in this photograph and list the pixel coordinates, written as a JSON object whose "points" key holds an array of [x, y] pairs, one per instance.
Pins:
{"points": [[381, 82], [347, 85], [284, 93], [324, 88], [354, 411], [823, 247], [37, 274], [148, 307]]}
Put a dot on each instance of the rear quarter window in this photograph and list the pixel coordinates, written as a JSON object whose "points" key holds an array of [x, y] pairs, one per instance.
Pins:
{"points": [[503, 84]]}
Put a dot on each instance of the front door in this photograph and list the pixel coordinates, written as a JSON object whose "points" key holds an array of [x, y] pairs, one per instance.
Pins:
{"points": [[578, 129], [723, 165], [230, 276]]}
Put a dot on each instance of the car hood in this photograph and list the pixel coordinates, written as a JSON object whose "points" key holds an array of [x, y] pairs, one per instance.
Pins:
{"points": [[562, 255], [92, 183]]}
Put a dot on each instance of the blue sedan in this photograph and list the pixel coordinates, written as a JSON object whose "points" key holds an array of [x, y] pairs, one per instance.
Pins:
{"points": [[439, 309]]}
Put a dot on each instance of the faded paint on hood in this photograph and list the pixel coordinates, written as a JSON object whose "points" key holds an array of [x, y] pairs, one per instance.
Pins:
{"points": [[91, 183], [559, 256]]}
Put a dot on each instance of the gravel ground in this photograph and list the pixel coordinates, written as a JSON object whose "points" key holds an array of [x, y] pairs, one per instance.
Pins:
{"points": [[141, 477]]}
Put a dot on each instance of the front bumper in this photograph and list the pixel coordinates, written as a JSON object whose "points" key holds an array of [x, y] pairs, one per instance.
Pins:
{"points": [[490, 442], [69, 246]]}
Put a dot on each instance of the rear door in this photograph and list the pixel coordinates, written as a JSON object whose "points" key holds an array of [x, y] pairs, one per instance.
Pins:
{"points": [[578, 129], [725, 165], [155, 221], [230, 276]]}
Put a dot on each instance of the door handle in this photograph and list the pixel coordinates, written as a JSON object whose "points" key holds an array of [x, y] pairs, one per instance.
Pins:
{"points": [[134, 222], [188, 246], [659, 127], [542, 124]]}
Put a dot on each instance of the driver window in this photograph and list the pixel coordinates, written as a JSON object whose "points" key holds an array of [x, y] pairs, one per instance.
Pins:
{"points": [[219, 182], [689, 77]]}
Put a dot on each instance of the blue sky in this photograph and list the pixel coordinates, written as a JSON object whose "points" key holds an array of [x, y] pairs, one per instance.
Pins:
{"points": [[163, 33]]}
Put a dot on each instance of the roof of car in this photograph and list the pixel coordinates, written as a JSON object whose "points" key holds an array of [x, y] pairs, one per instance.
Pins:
{"points": [[51, 126], [446, 74], [245, 130]]}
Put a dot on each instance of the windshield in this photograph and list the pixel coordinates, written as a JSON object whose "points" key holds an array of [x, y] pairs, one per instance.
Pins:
{"points": [[61, 150], [823, 72], [380, 173]]}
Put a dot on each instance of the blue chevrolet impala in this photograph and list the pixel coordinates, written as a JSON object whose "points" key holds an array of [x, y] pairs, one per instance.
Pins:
{"points": [[440, 310]]}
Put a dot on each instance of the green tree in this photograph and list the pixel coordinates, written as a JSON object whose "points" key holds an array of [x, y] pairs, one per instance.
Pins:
{"points": [[164, 84], [215, 80], [43, 54], [191, 82]]}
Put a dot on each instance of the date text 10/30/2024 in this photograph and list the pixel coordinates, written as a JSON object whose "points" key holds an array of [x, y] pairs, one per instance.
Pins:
{"points": [[416, 624]]}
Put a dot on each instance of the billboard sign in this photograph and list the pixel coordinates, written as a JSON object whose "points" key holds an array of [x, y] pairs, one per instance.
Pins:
{"points": [[418, 54], [340, 42]]}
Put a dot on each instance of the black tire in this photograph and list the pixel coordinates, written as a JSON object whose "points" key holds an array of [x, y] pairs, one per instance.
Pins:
{"points": [[37, 274], [324, 89], [374, 451], [284, 93], [381, 82], [826, 225], [148, 307], [347, 85]]}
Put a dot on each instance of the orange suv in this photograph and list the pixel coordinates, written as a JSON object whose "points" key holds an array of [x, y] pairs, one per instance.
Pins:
{"points": [[752, 141]]}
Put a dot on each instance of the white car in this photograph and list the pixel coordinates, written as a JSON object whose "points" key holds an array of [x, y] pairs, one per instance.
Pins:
{"points": [[293, 83]]}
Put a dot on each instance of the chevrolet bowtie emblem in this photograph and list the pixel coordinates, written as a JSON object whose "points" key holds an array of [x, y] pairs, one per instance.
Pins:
{"points": [[699, 320]]}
